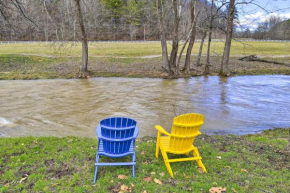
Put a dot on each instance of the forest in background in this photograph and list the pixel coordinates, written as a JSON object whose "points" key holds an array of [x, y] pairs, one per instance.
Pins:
{"points": [[55, 20]]}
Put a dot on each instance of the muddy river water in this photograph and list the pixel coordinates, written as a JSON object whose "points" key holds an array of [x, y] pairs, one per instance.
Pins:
{"points": [[237, 105]]}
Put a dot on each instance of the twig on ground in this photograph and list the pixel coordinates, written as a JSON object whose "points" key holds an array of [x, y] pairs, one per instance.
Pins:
{"points": [[265, 190]]}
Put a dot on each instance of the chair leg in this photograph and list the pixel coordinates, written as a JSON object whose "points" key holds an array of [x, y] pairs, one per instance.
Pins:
{"points": [[133, 167], [157, 144], [96, 170], [165, 158], [195, 153]]}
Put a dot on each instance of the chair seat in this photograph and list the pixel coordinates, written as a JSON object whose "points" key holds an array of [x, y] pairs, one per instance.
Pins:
{"points": [[164, 142]]}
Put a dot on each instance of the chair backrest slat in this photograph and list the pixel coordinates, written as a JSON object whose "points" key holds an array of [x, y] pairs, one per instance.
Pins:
{"points": [[185, 125], [117, 130]]}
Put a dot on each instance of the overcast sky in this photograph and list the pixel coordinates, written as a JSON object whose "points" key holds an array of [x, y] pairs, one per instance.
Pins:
{"points": [[251, 15]]}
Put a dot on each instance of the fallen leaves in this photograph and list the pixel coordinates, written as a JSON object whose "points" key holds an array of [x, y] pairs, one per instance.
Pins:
{"points": [[157, 181], [200, 170], [118, 188], [184, 175], [122, 177], [142, 153], [234, 190], [24, 178], [124, 188], [244, 170], [217, 190], [147, 179]]}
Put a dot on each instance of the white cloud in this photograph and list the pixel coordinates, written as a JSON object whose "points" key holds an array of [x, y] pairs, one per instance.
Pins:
{"points": [[252, 21]]}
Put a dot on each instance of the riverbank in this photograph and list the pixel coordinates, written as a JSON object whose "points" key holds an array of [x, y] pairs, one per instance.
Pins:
{"points": [[56, 60], [250, 163], [23, 67]]}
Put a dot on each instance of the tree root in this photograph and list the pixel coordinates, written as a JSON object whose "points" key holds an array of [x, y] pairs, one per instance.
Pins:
{"points": [[80, 74]]}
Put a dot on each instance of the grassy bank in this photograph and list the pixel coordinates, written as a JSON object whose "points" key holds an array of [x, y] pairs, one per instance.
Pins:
{"points": [[46, 61], [37, 67], [253, 163]]}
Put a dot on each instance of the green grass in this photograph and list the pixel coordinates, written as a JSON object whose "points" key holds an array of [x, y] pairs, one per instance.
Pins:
{"points": [[141, 49], [253, 163], [34, 67], [46, 61]]}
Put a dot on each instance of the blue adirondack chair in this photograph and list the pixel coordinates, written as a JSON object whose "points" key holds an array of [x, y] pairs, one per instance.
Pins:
{"points": [[116, 137]]}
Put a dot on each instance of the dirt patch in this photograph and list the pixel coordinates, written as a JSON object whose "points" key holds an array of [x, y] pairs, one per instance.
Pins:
{"points": [[115, 188], [49, 163], [18, 153], [62, 170], [171, 182], [280, 160], [132, 67]]}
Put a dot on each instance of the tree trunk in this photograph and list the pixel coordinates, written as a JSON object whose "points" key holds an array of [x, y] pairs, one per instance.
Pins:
{"points": [[224, 71], [165, 63], [207, 66], [192, 37], [210, 27], [175, 41], [85, 50], [200, 48], [181, 52]]}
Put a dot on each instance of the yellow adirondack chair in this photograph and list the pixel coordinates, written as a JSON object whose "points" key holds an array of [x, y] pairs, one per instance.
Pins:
{"points": [[184, 130]]}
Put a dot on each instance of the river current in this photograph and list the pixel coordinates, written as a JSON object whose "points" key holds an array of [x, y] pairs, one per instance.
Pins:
{"points": [[60, 107]]}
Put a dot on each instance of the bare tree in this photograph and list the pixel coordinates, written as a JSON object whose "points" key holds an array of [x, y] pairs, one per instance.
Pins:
{"points": [[175, 40], [165, 63], [214, 14], [85, 50], [224, 71], [204, 32], [192, 36], [210, 27]]}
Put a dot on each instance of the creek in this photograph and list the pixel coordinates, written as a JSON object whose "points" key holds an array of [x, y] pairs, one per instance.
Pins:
{"points": [[60, 107]]}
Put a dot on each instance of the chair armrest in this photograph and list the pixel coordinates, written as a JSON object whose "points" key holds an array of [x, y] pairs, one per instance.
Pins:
{"points": [[98, 131], [161, 130], [136, 132]]}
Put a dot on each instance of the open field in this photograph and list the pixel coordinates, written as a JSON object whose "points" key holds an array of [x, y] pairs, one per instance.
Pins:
{"points": [[42, 61], [252, 163], [136, 49]]}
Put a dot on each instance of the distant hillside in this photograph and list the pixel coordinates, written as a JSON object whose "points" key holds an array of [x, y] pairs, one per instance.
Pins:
{"points": [[281, 31]]}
